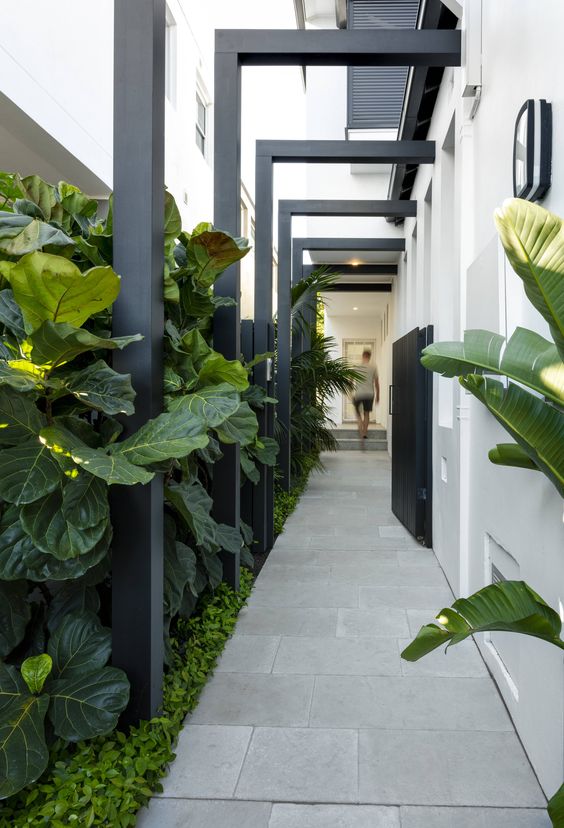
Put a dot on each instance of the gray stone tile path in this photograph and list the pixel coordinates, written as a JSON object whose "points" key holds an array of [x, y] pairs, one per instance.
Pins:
{"points": [[312, 720]]}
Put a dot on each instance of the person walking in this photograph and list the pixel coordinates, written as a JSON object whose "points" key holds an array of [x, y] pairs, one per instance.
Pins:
{"points": [[365, 390]]}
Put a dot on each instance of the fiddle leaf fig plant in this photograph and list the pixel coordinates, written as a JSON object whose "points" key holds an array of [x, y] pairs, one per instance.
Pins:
{"points": [[70, 686]]}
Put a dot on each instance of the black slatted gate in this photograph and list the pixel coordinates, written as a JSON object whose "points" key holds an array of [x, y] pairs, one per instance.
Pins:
{"points": [[411, 409]]}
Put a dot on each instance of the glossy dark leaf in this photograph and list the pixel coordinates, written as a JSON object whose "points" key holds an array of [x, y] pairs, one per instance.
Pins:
{"points": [[72, 596], [79, 646], [509, 606], [51, 531], [99, 386], [87, 704], [113, 469], [20, 419], [55, 343], [193, 504], [23, 750], [15, 613], [11, 315], [174, 434], [211, 252], [28, 472], [241, 427], [214, 403]]}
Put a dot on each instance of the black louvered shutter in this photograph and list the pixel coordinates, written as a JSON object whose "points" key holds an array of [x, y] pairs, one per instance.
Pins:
{"points": [[375, 94]]}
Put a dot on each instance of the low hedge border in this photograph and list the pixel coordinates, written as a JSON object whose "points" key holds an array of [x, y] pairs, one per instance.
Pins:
{"points": [[286, 502], [106, 781]]}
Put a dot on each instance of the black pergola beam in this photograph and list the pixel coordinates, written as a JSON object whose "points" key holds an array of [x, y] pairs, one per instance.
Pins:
{"points": [[287, 209], [349, 244], [354, 270], [347, 152], [235, 48], [138, 257], [311, 152], [354, 47], [357, 208]]}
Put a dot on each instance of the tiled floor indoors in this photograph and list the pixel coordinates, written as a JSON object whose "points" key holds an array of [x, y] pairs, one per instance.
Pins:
{"points": [[312, 720]]}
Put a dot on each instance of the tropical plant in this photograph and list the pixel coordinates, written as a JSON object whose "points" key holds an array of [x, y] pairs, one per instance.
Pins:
{"points": [[60, 401], [533, 240], [70, 685], [316, 376]]}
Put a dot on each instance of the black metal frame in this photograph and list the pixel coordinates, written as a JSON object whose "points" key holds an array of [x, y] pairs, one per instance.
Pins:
{"points": [[238, 47], [138, 256], [356, 270], [300, 245], [286, 210]]}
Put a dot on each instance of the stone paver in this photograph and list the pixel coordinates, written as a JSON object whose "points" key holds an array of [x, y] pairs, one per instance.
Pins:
{"points": [[312, 719]]}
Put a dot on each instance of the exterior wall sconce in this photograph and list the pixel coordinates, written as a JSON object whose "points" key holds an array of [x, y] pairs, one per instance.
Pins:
{"points": [[532, 150]]}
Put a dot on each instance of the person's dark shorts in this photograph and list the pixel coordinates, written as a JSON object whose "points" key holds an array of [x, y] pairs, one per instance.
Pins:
{"points": [[366, 404]]}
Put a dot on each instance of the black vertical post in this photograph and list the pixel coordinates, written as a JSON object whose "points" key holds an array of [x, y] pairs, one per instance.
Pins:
{"points": [[138, 256], [227, 321], [248, 351], [284, 342], [263, 319]]}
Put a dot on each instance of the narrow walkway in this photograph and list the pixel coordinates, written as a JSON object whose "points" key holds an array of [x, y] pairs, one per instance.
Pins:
{"points": [[312, 720]]}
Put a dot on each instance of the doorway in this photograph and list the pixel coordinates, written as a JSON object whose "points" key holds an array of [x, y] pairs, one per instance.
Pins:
{"points": [[352, 353]]}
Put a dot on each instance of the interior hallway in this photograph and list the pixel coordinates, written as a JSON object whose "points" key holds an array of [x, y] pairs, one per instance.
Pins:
{"points": [[312, 720]]}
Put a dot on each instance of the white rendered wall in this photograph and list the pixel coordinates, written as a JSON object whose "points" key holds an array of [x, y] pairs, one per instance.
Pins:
{"points": [[484, 511]]}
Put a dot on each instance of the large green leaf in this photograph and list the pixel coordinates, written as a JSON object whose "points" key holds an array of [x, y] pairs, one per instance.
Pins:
{"points": [[556, 808], [248, 466], [179, 572], [536, 426], [19, 558], [80, 646], [172, 219], [55, 343], [52, 287], [169, 435], [20, 375], [87, 704], [533, 240], [49, 528], [265, 449], [20, 419], [23, 750], [228, 538], [528, 358], [41, 193], [99, 386], [21, 234], [193, 504], [214, 404], [15, 613], [194, 344], [241, 427], [85, 501], [28, 472], [509, 606], [511, 454], [211, 252], [215, 369], [114, 469], [11, 315], [72, 596]]}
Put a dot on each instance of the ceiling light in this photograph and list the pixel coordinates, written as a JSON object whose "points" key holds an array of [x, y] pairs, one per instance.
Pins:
{"points": [[355, 263], [355, 308]]}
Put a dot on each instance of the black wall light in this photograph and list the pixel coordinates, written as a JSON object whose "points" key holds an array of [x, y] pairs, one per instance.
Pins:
{"points": [[532, 150]]}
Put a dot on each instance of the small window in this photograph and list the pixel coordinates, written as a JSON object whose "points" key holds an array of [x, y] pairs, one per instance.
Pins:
{"points": [[170, 57], [201, 123]]}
